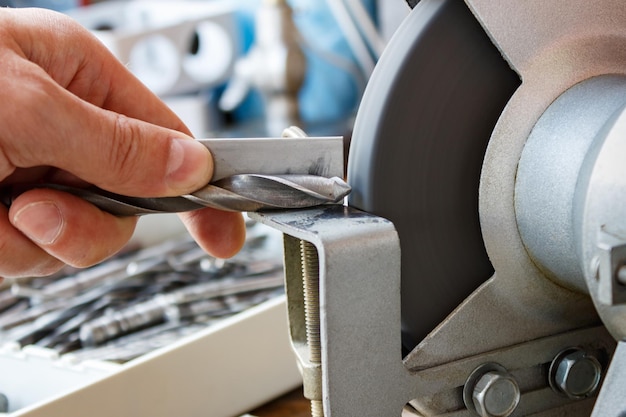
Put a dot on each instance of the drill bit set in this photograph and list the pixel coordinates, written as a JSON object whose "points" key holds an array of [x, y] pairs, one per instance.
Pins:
{"points": [[142, 299]]}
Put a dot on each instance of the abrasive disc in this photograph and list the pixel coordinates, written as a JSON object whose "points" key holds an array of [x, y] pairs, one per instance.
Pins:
{"points": [[417, 150]]}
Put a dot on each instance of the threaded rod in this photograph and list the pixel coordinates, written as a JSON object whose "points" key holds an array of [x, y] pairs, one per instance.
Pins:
{"points": [[310, 280]]}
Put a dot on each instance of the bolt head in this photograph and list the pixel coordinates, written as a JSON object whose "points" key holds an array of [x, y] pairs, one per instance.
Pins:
{"points": [[578, 374], [496, 394]]}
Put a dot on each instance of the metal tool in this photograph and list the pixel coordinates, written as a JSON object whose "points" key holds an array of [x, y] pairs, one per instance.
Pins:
{"points": [[160, 307], [490, 142], [244, 192], [249, 175]]}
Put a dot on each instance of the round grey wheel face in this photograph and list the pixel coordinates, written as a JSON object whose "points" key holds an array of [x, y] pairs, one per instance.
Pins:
{"points": [[417, 151]]}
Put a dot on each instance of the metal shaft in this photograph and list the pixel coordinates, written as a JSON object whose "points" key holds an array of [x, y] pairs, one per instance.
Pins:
{"points": [[244, 192]]}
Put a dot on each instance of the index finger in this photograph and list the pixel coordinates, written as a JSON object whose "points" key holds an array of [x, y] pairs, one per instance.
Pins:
{"points": [[81, 64]]}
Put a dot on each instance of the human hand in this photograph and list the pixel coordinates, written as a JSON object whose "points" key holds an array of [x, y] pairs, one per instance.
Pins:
{"points": [[72, 113]]}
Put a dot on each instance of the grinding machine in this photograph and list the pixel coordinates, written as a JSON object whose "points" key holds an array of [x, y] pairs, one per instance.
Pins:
{"points": [[479, 267]]}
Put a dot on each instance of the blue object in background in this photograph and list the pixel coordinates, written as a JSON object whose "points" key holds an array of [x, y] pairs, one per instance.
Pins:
{"points": [[330, 92], [59, 5]]}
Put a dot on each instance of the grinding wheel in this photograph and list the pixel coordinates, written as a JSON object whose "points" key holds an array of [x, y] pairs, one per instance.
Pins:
{"points": [[418, 146]]}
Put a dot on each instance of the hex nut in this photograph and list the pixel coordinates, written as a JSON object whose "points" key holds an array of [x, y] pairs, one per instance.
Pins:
{"points": [[577, 374], [496, 394]]}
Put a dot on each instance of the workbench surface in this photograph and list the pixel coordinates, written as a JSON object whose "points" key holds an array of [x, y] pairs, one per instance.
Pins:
{"points": [[292, 404]]}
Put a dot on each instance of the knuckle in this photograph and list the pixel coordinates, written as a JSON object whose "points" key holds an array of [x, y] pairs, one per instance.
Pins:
{"points": [[6, 166], [40, 96], [124, 150]]}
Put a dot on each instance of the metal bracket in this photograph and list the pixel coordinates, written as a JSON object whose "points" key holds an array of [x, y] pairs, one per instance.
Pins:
{"points": [[354, 346], [361, 371]]}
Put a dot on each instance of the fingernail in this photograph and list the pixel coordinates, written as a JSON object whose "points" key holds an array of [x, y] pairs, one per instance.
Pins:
{"points": [[42, 222], [189, 166]]}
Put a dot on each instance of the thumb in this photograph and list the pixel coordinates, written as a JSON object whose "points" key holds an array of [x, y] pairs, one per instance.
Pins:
{"points": [[110, 150], [143, 159]]}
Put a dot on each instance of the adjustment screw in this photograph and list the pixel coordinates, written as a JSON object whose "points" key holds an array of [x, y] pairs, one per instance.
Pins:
{"points": [[577, 374]]}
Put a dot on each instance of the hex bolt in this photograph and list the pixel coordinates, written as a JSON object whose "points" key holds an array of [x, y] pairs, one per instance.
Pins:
{"points": [[576, 373], [496, 394], [310, 280], [491, 391]]}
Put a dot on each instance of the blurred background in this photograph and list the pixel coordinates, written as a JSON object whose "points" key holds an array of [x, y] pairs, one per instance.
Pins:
{"points": [[246, 67]]}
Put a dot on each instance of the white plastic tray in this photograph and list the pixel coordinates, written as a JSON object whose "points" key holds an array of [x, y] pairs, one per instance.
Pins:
{"points": [[223, 371]]}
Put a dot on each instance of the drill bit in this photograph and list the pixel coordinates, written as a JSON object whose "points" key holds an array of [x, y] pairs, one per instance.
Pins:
{"points": [[242, 192], [162, 306], [254, 192]]}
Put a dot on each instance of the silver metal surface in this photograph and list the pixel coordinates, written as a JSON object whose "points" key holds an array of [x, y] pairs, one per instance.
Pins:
{"points": [[361, 340], [538, 39], [602, 201], [322, 156], [550, 170], [552, 46], [569, 194]]}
